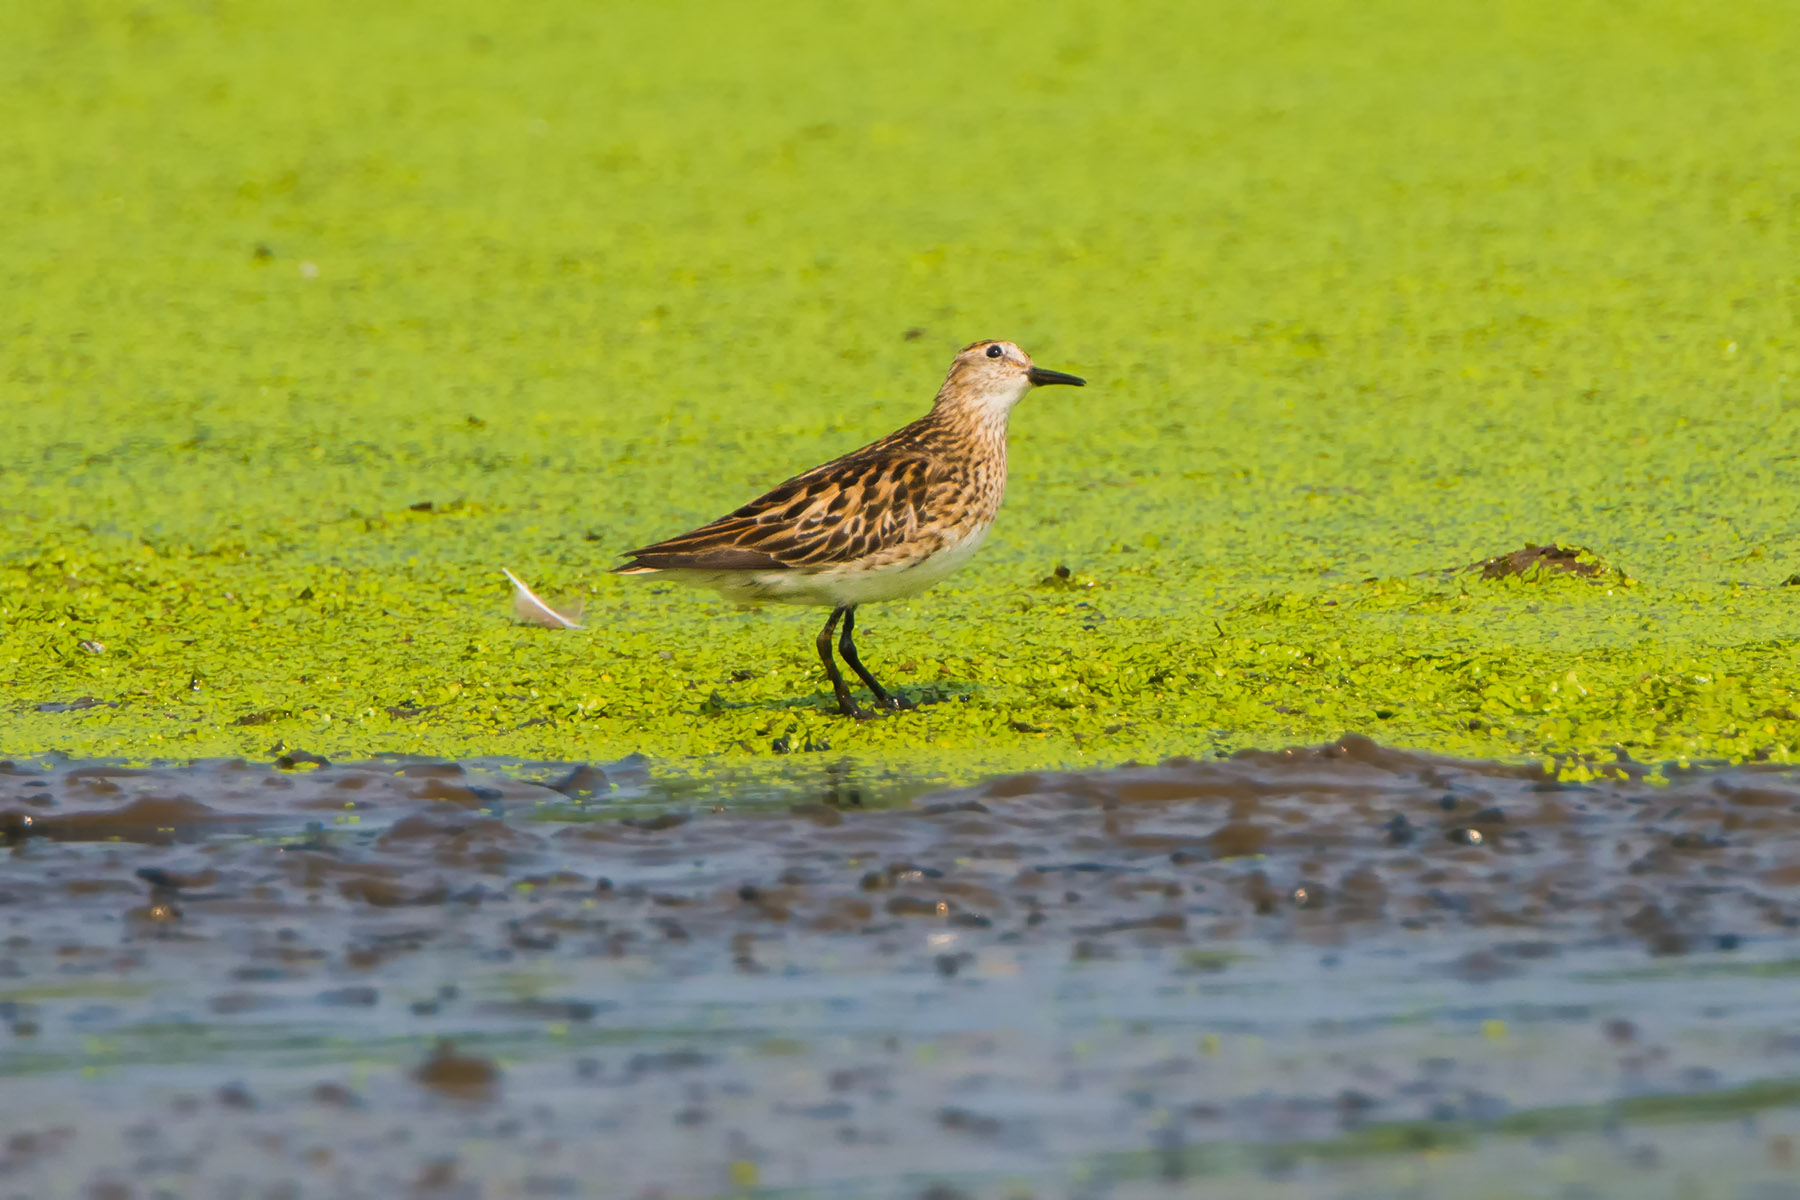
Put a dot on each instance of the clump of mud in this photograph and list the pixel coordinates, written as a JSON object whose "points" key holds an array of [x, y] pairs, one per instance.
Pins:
{"points": [[458, 1076], [1534, 561]]}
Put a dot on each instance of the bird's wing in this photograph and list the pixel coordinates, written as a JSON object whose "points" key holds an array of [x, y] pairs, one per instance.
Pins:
{"points": [[837, 513]]}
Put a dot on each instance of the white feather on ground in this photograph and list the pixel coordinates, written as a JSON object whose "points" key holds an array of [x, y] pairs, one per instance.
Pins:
{"points": [[528, 608]]}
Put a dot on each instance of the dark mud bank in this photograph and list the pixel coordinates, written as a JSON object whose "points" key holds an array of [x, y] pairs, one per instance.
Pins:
{"points": [[1325, 840]]}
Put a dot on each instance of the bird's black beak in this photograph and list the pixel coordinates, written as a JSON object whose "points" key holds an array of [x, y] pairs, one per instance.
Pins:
{"points": [[1041, 378]]}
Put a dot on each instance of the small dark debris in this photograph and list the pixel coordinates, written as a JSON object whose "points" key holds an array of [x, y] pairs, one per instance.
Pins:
{"points": [[585, 780], [1483, 966], [438, 1176], [336, 1095], [235, 1095], [1165, 922], [456, 1075], [1450, 900], [896, 869], [1532, 559], [1237, 839], [959, 806], [1530, 950], [666, 1060], [943, 1191], [1661, 935], [655, 824], [576, 1011], [961, 1120], [76, 705], [296, 758], [913, 334]]}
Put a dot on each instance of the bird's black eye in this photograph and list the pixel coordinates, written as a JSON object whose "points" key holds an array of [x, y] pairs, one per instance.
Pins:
{"points": [[995, 352]]}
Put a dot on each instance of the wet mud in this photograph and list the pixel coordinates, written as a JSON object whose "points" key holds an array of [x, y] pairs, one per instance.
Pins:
{"points": [[1340, 970]]}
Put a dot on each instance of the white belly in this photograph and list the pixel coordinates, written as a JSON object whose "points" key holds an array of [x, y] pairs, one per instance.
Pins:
{"points": [[836, 586]]}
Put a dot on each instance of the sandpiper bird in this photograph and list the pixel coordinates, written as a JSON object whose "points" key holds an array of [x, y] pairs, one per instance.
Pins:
{"points": [[886, 521]]}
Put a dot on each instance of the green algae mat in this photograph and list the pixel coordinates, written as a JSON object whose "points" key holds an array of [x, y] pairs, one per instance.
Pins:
{"points": [[315, 316]]}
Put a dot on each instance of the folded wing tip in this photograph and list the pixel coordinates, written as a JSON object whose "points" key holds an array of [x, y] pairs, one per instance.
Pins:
{"points": [[719, 559]]}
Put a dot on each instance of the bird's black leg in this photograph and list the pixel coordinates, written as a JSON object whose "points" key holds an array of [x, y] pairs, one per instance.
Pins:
{"points": [[847, 648], [846, 703]]}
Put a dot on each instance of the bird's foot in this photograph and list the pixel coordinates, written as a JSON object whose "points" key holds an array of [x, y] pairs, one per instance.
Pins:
{"points": [[883, 706]]}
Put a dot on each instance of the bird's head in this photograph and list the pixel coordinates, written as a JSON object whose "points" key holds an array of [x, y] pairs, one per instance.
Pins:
{"points": [[988, 378]]}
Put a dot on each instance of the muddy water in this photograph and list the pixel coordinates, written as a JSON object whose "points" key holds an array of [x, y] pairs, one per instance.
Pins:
{"points": [[1342, 971]]}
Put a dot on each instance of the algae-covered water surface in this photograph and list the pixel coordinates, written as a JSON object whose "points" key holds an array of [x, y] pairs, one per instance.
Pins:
{"points": [[1441, 390], [320, 314]]}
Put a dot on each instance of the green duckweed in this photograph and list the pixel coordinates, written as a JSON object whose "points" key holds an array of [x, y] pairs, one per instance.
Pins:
{"points": [[318, 315]]}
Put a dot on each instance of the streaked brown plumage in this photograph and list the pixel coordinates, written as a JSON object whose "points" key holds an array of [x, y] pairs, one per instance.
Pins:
{"points": [[885, 521]]}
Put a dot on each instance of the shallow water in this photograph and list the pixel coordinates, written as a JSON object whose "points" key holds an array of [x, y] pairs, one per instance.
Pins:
{"points": [[1342, 971]]}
